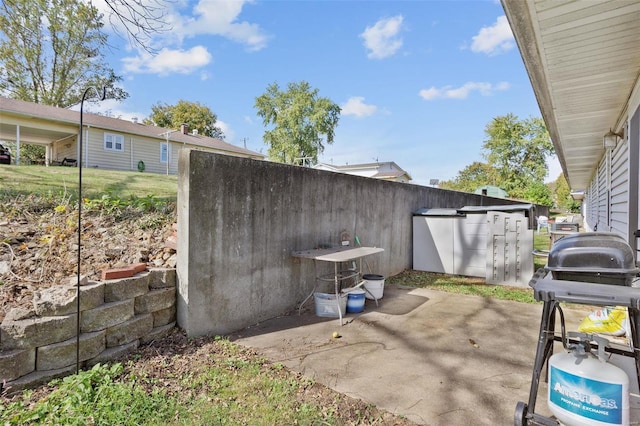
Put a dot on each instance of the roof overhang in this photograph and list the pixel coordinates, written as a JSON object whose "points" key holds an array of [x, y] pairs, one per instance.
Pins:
{"points": [[32, 130], [583, 60]]}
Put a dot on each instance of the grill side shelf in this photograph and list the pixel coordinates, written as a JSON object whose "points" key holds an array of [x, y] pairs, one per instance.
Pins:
{"points": [[546, 290]]}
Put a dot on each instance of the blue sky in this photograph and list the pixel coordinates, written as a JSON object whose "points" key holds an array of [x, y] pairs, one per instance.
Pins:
{"points": [[417, 81]]}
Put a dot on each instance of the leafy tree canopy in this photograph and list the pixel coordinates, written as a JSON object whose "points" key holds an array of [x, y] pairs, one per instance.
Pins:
{"points": [[563, 197], [302, 122], [517, 150], [538, 193], [470, 178], [52, 50], [197, 116]]}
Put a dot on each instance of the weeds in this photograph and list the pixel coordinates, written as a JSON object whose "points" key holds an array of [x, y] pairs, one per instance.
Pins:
{"points": [[231, 386], [91, 397]]}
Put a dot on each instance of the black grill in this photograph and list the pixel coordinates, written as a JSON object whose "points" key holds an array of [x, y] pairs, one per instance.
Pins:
{"points": [[593, 257]]}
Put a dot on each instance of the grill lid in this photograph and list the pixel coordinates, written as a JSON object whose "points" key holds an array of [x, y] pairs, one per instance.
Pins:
{"points": [[592, 252]]}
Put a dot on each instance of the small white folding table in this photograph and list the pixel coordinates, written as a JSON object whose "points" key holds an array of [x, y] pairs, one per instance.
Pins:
{"points": [[337, 256]]}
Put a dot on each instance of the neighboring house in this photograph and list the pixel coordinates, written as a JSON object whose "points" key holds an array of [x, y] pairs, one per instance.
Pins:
{"points": [[108, 143], [583, 59], [385, 171]]}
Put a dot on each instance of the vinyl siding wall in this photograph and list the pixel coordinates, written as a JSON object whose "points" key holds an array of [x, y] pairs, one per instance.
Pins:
{"points": [[619, 204], [602, 222], [136, 149], [65, 149], [611, 201]]}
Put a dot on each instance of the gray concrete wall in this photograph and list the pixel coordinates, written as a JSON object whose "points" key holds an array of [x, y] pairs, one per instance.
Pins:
{"points": [[240, 219]]}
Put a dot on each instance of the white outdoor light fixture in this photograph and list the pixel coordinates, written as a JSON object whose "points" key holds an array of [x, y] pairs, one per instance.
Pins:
{"points": [[610, 139]]}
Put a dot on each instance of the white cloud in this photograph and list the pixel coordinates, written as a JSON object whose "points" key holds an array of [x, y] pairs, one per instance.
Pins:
{"points": [[356, 106], [495, 39], [176, 22], [430, 93], [168, 61], [382, 40], [462, 92], [219, 17], [229, 134]]}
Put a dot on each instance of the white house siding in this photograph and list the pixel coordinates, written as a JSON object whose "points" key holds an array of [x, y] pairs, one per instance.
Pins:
{"points": [[618, 181], [634, 178], [591, 205], [136, 149], [619, 205], [64, 149], [148, 151], [96, 156], [602, 221]]}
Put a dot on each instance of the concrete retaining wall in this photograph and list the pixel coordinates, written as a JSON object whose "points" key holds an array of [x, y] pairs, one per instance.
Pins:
{"points": [[115, 317], [240, 219]]}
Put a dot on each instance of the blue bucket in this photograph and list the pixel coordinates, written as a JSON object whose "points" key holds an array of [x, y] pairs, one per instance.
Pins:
{"points": [[355, 300]]}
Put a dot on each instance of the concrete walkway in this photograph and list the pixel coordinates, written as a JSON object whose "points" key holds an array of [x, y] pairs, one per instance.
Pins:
{"points": [[433, 357]]}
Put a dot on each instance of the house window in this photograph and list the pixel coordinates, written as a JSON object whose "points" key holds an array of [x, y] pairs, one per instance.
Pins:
{"points": [[113, 142], [163, 152]]}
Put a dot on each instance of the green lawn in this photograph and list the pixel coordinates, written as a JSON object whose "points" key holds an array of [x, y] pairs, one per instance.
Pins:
{"points": [[63, 181]]}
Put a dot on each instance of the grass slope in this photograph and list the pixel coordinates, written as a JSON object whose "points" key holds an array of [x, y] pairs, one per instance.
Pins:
{"points": [[54, 181]]}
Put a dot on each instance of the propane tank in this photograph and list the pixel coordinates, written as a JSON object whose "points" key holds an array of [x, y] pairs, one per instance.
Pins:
{"points": [[585, 390]]}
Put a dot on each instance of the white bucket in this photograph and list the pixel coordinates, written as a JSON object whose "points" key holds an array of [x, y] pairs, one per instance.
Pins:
{"points": [[326, 305], [374, 284]]}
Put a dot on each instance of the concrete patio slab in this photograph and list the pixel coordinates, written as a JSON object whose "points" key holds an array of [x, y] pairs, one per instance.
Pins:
{"points": [[433, 357]]}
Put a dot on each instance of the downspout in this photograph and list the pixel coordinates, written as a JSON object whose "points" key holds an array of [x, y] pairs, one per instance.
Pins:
{"points": [[83, 139], [86, 147]]}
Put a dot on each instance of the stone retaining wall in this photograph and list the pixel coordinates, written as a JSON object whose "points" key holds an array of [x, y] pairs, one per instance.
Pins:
{"points": [[116, 316]]}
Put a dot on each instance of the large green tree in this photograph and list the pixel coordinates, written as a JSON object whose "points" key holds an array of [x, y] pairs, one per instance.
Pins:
{"points": [[470, 178], [52, 50], [518, 151], [302, 122], [197, 116]]}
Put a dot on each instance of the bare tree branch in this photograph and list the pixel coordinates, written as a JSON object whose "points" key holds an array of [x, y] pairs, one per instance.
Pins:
{"points": [[140, 19]]}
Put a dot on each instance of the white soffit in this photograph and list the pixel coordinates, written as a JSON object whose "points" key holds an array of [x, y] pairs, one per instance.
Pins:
{"points": [[583, 59]]}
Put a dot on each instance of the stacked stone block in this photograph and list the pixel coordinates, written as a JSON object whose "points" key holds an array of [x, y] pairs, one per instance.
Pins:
{"points": [[116, 316]]}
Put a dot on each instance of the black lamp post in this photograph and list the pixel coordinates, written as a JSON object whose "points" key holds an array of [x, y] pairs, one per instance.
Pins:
{"points": [[84, 96]]}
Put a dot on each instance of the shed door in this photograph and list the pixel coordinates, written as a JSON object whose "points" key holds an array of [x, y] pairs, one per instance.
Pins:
{"points": [[470, 245], [509, 258]]}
